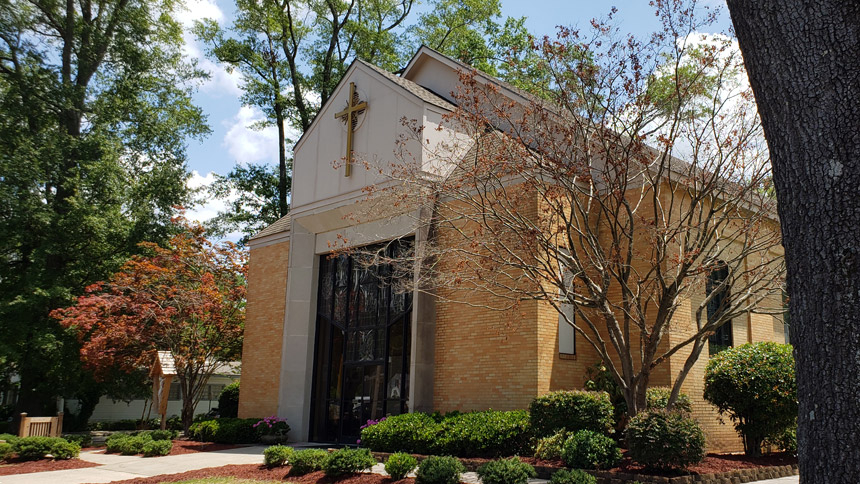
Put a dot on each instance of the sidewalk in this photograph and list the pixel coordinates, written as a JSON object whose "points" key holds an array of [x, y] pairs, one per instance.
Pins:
{"points": [[117, 467]]}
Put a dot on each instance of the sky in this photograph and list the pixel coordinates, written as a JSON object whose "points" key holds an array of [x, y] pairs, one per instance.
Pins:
{"points": [[232, 140]]}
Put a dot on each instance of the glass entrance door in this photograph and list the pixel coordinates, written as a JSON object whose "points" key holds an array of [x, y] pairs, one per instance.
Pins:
{"points": [[362, 347]]}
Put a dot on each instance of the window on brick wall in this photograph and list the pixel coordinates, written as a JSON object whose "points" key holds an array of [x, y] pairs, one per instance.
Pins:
{"points": [[719, 303], [566, 333]]}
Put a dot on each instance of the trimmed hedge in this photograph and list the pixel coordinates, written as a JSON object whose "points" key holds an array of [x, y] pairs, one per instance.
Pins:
{"points": [[399, 464], [506, 471], [346, 461], [439, 470], [277, 455], [475, 434], [34, 448], [587, 449], [308, 460], [225, 431], [665, 440], [571, 411]]}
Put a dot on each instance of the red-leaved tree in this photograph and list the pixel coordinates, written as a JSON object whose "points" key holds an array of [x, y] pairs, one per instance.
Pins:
{"points": [[187, 298]]}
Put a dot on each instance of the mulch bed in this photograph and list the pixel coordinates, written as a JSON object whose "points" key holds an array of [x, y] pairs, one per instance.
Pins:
{"points": [[263, 473], [16, 466], [716, 463]]}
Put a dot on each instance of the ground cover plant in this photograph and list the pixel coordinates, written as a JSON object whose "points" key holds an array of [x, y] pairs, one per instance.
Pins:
{"points": [[665, 440], [506, 471], [754, 385]]}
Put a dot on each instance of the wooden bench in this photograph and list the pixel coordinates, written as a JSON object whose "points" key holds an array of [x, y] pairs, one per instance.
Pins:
{"points": [[41, 426]]}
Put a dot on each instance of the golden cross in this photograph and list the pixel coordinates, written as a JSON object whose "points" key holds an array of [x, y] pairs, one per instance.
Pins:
{"points": [[350, 117]]}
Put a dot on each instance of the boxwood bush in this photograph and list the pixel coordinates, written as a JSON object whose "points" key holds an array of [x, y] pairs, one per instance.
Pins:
{"points": [[399, 464], [506, 471], [225, 431], [754, 385], [155, 448], [439, 470], [571, 411], [348, 461], [657, 398], [665, 440], [133, 444], [34, 448], [307, 460], [415, 433], [549, 448], [587, 449], [572, 476], [277, 455], [485, 434]]}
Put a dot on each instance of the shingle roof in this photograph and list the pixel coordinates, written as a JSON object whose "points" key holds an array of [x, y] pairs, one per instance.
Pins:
{"points": [[422, 93], [280, 225]]}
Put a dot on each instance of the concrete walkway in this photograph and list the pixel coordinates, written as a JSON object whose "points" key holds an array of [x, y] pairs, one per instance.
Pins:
{"points": [[118, 467]]}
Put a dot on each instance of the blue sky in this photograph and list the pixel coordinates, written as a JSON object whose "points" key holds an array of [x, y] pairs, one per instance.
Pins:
{"points": [[231, 140]]}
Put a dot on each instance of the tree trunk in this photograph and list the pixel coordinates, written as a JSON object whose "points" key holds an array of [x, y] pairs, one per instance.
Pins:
{"points": [[803, 60], [283, 208]]}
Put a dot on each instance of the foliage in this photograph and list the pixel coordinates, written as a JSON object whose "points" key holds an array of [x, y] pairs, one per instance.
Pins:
{"points": [[84, 440], [187, 298], [572, 476], [94, 121], [587, 449], [277, 455], [64, 450], [571, 411], [665, 440], [225, 431], [133, 444], [399, 464], [272, 425], [5, 450], [228, 400], [307, 460], [348, 461], [485, 434], [33, 448], [549, 448], [785, 440], [163, 434], [657, 398], [9, 438], [506, 471], [115, 442], [125, 424], [408, 432], [439, 470], [155, 448], [755, 385]]}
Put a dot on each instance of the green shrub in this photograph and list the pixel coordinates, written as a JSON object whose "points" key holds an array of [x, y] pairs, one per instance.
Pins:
{"points": [[506, 471], [573, 476], [755, 385], [228, 401], [571, 411], [277, 455], [62, 449], [33, 448], [157, 447], [308, 460], [665, 440], [84, 440], [657, 398], [225, 431], [409, 432], [163, 434], [439, 470], [174, 423], [786, 440], [587, 449], [485, 434], [114, 442], [9, 438], [133, 445], [348, 461], [400, 464], [549, 448], [6, 450]]}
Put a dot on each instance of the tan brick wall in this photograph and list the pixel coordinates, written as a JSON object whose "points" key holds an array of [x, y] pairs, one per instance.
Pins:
{"points": [[264, 330]]}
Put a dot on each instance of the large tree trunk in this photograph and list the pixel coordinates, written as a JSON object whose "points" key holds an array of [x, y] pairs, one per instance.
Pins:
{"points": [[803, 60]]}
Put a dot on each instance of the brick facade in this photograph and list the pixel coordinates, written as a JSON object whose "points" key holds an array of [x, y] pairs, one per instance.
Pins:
{"points": [[264, 330]]}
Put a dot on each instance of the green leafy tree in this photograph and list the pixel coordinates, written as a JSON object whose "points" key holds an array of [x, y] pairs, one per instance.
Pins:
{"points": [[95, 111], [255, 201]]}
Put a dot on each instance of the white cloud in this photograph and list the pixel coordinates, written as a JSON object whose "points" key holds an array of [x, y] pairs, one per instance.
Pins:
{"points": [[248, 145], [221, 82], [197, 10], [207, 207]]}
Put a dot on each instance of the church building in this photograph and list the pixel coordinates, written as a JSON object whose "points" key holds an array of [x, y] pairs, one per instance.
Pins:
{"points": [[328, 348]]}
